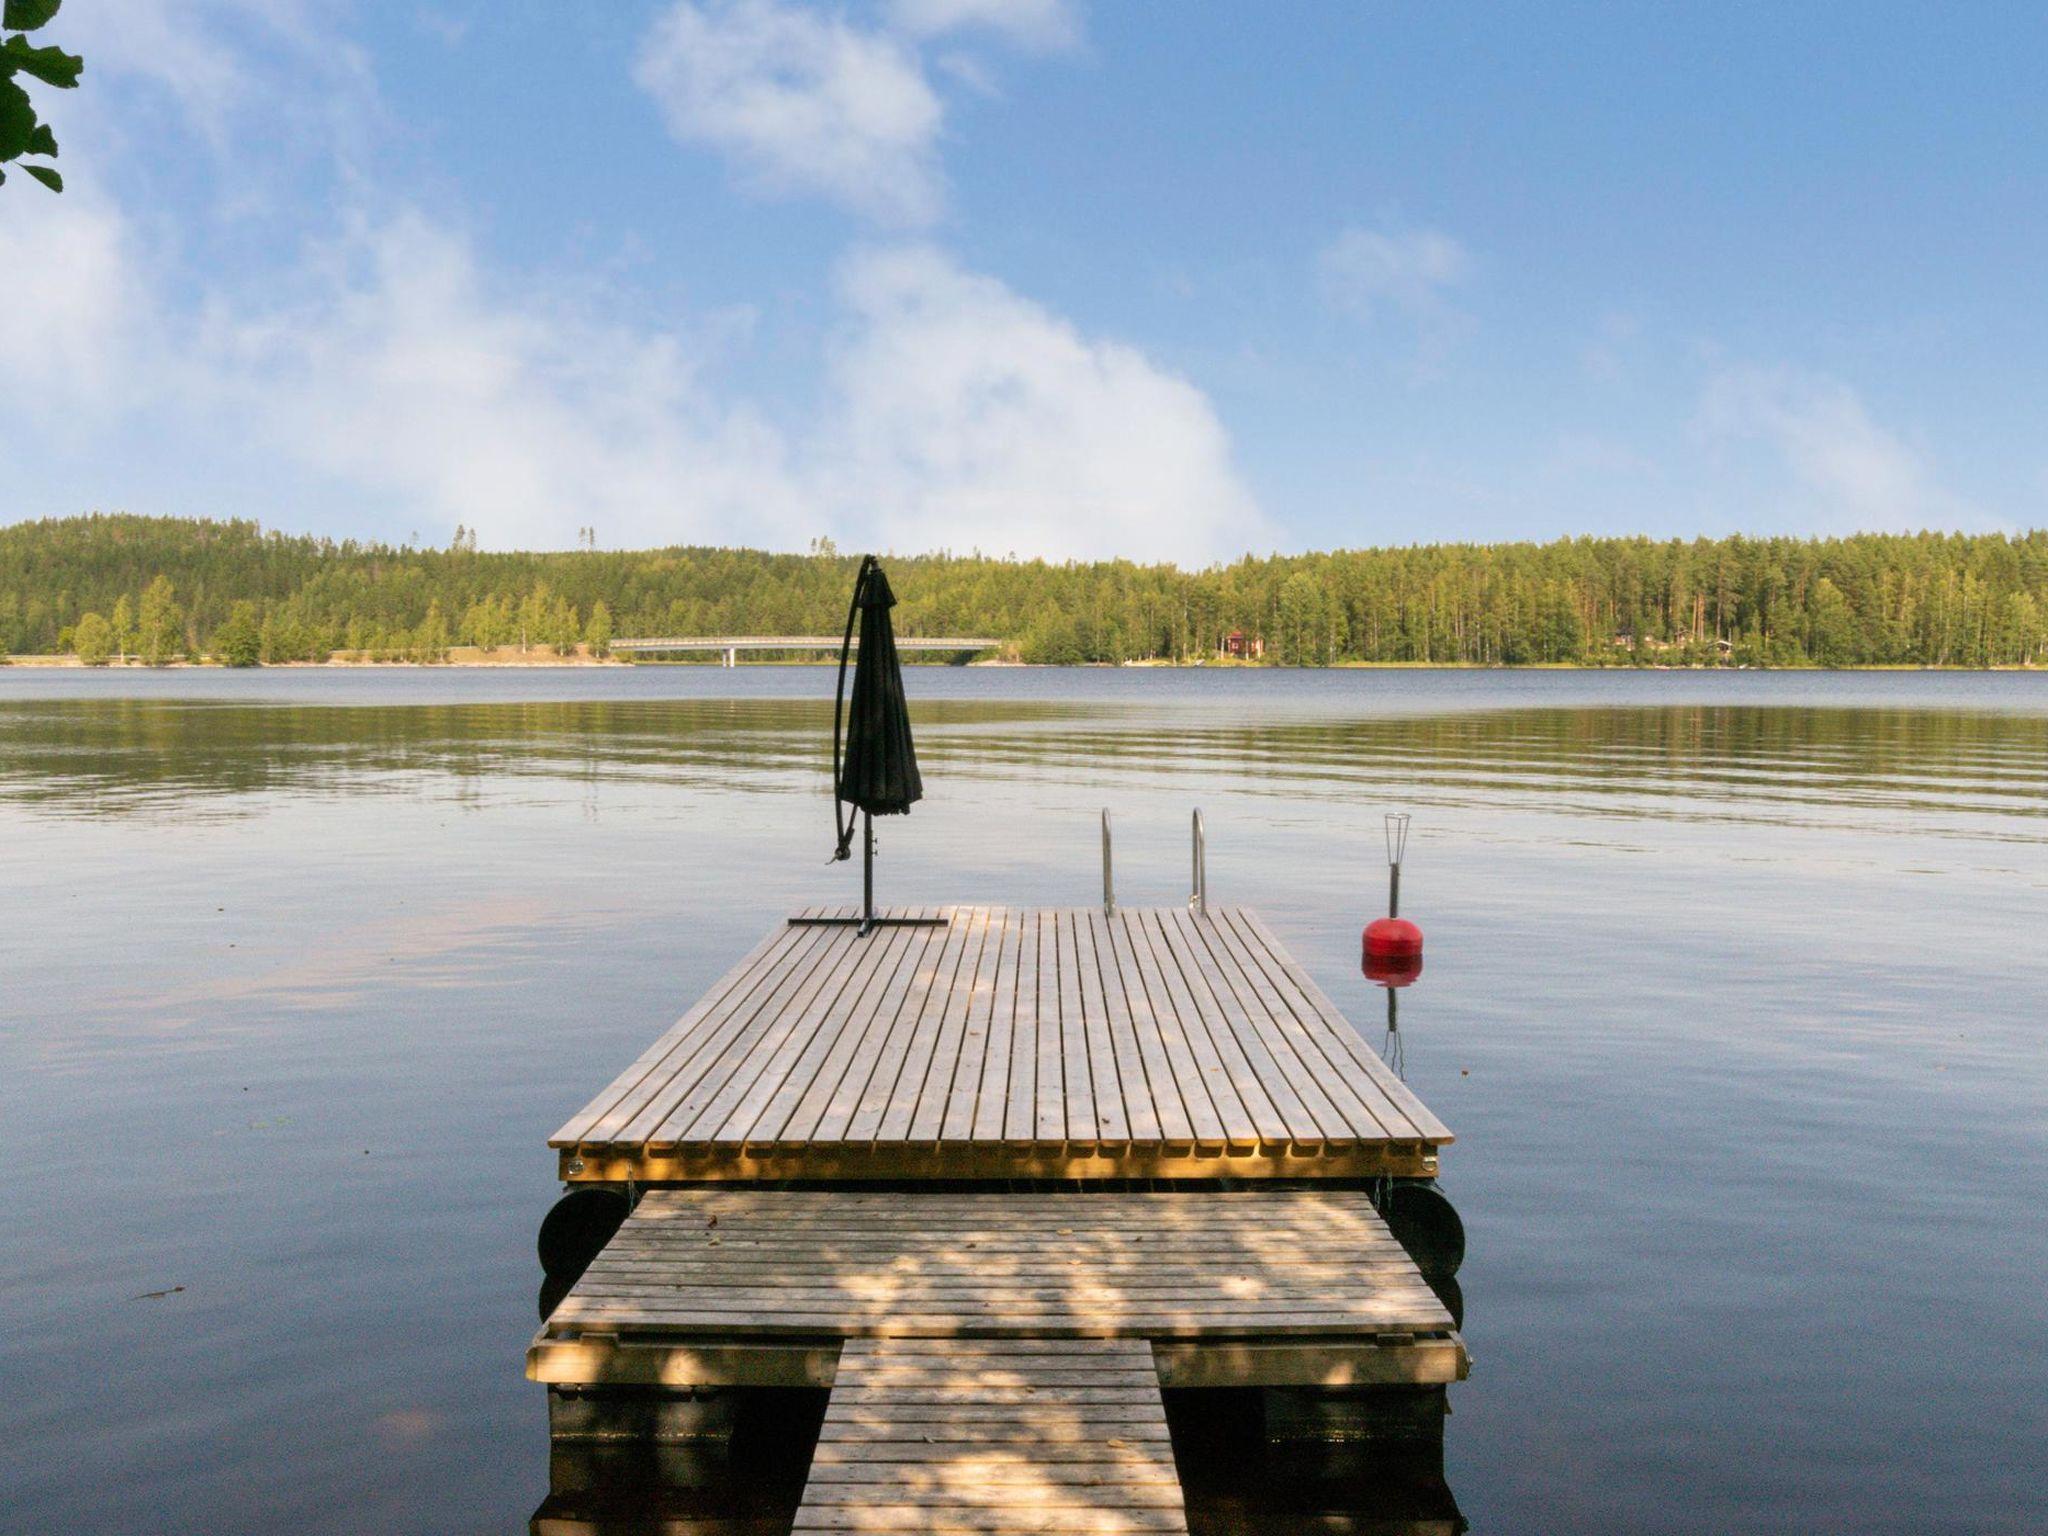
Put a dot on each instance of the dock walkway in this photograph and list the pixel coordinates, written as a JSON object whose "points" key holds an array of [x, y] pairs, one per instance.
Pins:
{"points": [[993, 1437]]}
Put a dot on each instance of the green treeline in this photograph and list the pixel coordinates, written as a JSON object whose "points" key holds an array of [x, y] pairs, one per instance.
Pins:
{"points": [[159, 588]]}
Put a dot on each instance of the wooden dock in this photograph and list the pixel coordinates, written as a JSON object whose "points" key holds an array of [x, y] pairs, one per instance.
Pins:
{"points": [[757, 1287], [996, 1349], [1009, 1044], [975, 1435]]}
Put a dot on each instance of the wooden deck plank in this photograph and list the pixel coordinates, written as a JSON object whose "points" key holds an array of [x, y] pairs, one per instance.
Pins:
{"points": [[919, 1115], [1311, 1118], [729, 1049], [739, 1263], [787, 1074], [946, 1112], [992, 1097], [1178, 1054], [890, 1103], [746, 1049], [1058, 1090], [1077, 1106], [856, 1018], [1111, 1120], [1009, 1043], [1259, 1085], [1230, 1093], [1311, 1064], [896, 1011], [607, 1116], [1169, 1111], [1401, 1098], [1003, 1445], [1351, 1083], [1140, 1115], [1020, 1109]]}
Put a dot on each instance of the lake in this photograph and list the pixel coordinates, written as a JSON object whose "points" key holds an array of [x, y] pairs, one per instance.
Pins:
{"points": [[1736, 997]]}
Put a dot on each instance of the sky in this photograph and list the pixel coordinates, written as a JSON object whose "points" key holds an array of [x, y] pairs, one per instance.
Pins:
{"points": [[1045, 277]]}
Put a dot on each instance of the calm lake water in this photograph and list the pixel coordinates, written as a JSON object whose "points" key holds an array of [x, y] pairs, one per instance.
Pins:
{"points": [[1736, 998]]}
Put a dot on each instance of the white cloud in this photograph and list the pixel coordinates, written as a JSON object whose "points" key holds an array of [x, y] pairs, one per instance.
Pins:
{"points": [[970, 416], [285, 61], [1847, 468], [72, 300], [404, 386], [408, 377], [1366, 270], [803, 100], [1367, 273], [1046, 25], [386, 378]]}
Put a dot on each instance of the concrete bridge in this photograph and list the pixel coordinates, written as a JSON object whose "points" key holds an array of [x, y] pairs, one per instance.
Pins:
{"points": [[732, 645]]}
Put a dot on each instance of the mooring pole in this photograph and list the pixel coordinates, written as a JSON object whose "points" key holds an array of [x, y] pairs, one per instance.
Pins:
{"points": [[1397, 849], [1198, 897]]}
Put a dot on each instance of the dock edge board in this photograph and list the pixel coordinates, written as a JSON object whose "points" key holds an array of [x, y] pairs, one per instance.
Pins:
{"points": [[612, 1164], [596, 1359]]}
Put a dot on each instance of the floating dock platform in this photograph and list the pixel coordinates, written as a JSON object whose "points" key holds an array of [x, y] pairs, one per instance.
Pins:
{"points": [[1006, 1043], [995, 1182]]}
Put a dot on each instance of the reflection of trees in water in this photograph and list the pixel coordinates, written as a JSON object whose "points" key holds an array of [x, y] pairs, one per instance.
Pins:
{"points": [[1717, 762], [1728, 762], [135, 755]]}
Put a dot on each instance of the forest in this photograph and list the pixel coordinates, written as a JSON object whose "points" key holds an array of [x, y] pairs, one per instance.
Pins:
{"points": [[159, 589]]}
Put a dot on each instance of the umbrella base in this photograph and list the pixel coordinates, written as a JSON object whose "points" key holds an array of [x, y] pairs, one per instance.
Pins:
{"points": [[867, 920]]}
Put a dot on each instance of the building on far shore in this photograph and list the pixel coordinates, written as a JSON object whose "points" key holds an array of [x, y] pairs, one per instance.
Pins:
{"points": [[1242, 646]]}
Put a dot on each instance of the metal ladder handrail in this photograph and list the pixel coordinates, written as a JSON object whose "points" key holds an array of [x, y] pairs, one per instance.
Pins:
{"points": [[1108, 884], [1198, 896]]}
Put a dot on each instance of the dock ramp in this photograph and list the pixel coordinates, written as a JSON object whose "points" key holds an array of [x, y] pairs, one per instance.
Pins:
{"points": [[994, 1436]]}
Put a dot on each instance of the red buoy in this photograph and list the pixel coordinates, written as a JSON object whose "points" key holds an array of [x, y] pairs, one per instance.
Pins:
{"points": [[1392, 938]]}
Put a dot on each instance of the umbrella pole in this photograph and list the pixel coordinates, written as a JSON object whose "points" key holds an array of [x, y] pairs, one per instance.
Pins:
{"points": [[867, 874]]}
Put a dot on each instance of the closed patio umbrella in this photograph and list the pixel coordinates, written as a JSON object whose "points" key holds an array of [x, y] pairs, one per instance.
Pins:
{"points": [[874, 761]]}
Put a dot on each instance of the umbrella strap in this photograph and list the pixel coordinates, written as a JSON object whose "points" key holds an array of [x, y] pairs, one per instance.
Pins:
{"points": [[844, 849]]}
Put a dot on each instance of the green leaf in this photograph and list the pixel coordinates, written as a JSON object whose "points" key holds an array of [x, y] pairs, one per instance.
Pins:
{"points": [[46, 176], [42, 142], [52, 66], [17, 120], [27, 15]]}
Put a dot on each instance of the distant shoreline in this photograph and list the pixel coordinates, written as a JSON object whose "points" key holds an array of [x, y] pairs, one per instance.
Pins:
{"points": [[546, 659]]}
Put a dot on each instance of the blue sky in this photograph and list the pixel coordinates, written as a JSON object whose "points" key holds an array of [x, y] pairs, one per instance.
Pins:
{"points": [[1165, 281]]}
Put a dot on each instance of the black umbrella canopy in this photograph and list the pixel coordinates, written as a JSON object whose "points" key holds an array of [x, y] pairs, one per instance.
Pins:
{"points": [[878, 774]]}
